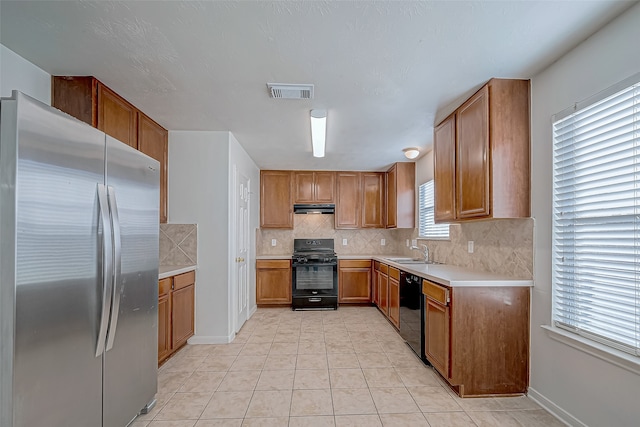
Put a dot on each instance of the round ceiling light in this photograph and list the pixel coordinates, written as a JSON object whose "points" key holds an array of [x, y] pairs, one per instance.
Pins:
{"points": [[411, 153]]}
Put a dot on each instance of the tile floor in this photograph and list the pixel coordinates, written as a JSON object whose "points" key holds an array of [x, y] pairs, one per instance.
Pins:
{"points": [[319, 368]]}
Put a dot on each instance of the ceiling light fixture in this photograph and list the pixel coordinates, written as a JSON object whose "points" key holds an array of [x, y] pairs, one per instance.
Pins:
{"points": [[318, 131], [411, 153]]}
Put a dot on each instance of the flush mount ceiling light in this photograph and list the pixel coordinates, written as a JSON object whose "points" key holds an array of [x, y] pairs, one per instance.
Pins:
{"points": [[411, 153], [318, 131]]}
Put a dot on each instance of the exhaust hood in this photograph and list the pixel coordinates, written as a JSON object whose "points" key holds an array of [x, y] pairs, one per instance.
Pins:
{"points": [[314, 209]]}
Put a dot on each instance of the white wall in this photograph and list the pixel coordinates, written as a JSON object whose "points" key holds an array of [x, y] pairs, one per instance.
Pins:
{"points": [[424, 170], [577, 386], [239, 159], [198, 194], [19, 74]]}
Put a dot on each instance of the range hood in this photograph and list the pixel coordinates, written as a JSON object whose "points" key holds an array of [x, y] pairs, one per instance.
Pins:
{"points": [[314, 209]]}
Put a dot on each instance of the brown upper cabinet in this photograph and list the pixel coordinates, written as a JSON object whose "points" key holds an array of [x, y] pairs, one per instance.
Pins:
{"points": [[276, 201], [153, 141], [347, 200], [491, 141], [401, 184], [89, 100], [444, 171], [314, 187], [116, 117], [373, 202], [362, 199]]}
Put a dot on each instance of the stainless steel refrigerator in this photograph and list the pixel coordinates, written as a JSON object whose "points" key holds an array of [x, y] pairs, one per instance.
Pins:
{"points": [[78, 272]]}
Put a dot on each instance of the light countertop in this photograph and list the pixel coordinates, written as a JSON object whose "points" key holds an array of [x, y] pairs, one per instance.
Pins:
{"points": [[454, 276], [171, 270], [448, 275]]}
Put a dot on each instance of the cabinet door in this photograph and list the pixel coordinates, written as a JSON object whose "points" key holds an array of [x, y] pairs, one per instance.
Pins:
{"points": [[375, 285], [348, 200], [276, 207], [444, 170], [372, 200], [116, 117], [304, 187], [273, 282], [164, 318], [354, 281], [394, 297], [472, 167], [164, 327], [152, 141], [383, 283], [182, 306], [392, 199], [325, 184], [437, 340]]}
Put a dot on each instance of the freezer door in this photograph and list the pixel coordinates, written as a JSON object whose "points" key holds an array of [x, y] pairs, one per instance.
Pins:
{"points": [[131, 356], [50, 274]]}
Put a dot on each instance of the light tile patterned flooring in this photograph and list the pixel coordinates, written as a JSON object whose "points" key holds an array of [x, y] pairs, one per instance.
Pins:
{"points": [[319, 368]]}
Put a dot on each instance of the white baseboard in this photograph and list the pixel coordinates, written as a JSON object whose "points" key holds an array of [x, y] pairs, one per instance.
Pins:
{"points": [[554, 409], [198, 339], [252, 310]]}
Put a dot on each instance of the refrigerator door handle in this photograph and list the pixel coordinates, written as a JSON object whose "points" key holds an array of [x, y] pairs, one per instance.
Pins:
{"points": [[107, 267], [117, 267]]}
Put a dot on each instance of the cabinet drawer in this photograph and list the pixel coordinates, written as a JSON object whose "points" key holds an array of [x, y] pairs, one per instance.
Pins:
{"points": [[384, 268], [184, 280], [394, 272], [355, 263], [435, 292], [273, 263], [376, 265], [164, 286]]}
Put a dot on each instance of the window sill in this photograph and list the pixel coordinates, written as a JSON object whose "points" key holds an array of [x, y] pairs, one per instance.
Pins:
{"points": [[603, 352], [436, 239]]}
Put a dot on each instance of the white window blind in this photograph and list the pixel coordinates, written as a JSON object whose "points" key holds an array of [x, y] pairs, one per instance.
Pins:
{"points": [[427, 227], [596, 218]]}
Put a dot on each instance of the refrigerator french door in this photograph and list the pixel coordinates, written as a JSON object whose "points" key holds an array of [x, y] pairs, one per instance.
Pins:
{"points": [[78, 272]]}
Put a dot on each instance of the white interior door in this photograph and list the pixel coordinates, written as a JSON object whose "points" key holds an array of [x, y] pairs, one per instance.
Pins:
{"points": [[242, 250]]}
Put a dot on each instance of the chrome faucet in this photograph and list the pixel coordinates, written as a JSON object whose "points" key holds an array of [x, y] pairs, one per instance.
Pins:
{"points": [[424, 249]]}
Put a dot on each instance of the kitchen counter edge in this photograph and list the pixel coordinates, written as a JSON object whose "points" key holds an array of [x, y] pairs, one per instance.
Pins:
{"points": [[448, 275], [165, 271]]}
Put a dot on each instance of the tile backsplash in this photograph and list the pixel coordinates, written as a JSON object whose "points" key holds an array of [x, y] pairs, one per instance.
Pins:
{"points": [[503, 246], [360, 241], [178, 244]]}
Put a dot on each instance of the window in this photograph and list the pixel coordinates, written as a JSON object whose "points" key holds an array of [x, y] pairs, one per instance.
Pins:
{"points": [[427, 228], [596, 218]]}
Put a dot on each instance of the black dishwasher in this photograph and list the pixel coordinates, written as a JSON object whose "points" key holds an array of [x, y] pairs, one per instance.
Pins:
{"points": [[412, 312]]}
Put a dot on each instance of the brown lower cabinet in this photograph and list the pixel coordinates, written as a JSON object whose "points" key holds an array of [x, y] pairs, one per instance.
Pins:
{"points": [[176, 303], [387, 282], [394, 296], [354, 281], [273, 282], [477, 338]]}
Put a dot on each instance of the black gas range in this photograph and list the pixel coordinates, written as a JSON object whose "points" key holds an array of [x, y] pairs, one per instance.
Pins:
{"points": [[315, 275]]}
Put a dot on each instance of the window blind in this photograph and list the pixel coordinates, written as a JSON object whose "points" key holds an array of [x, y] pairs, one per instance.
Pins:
{"points": [[596, 218], [427, 227]]}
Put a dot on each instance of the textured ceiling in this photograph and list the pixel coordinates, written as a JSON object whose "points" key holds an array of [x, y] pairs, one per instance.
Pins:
{"points": [[385, 71]]}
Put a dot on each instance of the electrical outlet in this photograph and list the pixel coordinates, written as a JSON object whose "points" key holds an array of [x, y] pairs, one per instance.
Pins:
{"points": [[407, 242], [414, 242], [470, 246], [383, 242], [344, 242], [274, 242]]}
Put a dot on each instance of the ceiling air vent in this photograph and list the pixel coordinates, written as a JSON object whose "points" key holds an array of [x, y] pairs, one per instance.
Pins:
{"points": [[290, 91]]}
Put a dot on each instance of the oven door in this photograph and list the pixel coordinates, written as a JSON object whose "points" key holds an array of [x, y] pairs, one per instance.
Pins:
{"points": [[315, 279]]}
